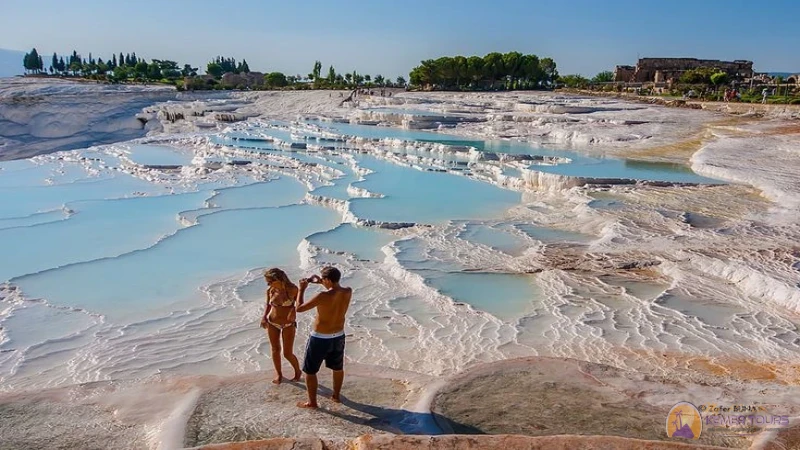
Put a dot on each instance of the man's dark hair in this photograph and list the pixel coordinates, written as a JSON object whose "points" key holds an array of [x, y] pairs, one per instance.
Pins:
{"points": [[331, 273]]}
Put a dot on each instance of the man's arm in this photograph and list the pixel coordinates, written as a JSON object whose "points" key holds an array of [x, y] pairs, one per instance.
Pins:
{"points": [[302, 307]]}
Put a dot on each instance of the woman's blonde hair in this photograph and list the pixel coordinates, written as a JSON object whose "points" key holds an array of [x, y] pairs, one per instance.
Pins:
{"points": [[278, 274]]}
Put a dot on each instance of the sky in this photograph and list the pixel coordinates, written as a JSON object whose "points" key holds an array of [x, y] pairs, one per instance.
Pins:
{"points": [[390, 37]]}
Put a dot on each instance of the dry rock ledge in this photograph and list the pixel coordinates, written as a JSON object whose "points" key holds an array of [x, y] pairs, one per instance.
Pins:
{"points": [[530, 403]]}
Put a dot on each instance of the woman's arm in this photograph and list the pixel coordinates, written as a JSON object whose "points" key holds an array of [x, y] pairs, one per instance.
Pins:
{"points": [[266, 313]]}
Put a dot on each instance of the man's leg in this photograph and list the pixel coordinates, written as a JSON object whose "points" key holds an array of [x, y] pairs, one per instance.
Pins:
{"points": [[335, 361], [311, 387], [338, 379], [315, 354]]}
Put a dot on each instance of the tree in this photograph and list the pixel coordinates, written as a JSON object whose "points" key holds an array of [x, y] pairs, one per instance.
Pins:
{"points": [[573, 81], [379, 80], [605, 76], [244, 68], [493, 67], [401, 82], [367, 79], [54, 62], [153, 70], [189, 71], [275, 79], [75, 67], [474, 68], [512, 65], [331, 75], [121, 73], [719, 78], [550, 73], [214, 69], [512, 70], [700, 75], [141, 69], [32, 62]]}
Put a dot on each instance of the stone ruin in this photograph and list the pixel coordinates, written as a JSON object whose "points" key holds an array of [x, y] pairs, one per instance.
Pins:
{"points": [[663, 70]]}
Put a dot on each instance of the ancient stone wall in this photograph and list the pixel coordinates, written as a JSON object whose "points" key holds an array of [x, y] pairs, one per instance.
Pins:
{"points": [[624, 73], [648, 69]]}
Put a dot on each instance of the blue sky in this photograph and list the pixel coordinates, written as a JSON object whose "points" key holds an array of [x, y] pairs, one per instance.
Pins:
{"points": [[390, 37]]}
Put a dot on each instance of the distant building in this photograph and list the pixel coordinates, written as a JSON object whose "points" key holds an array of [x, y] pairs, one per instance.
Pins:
{"points": [[243, 80], [662, 70]]}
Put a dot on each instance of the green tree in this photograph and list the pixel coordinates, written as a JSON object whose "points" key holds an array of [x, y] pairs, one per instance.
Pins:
{"points": [[32, 62], [605, 76], [275, 79], [75, 67], [573, 81], [718, 78], [141, 69], [54, 62], [214, 69], [512, 65], [400, 81], [493, 67], [331, 75], [700, 75], [474, 69], [153, 70], [379, 80], [549, 71], [189, 71]]}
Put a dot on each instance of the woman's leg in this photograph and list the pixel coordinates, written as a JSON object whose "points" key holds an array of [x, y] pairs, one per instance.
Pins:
{"points": [[275, 344], [288, 350]]}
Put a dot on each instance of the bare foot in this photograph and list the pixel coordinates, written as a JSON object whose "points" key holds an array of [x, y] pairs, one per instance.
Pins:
{"points": [[277, 380], [296, 377], [306, 405], [336, 399]]}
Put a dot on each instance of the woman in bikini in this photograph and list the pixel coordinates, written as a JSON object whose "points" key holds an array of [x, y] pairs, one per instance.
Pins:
{"points": [[280, 320]]}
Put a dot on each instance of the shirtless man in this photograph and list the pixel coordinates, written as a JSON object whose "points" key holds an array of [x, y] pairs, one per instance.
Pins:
{"points": [[327, 340]]}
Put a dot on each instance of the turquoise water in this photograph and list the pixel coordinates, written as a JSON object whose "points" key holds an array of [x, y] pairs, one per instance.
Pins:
{"points": [[97, 229], [427, 197], [581, 165], [499, 239], [364, 243], [408, 111], [637, 170], [281, 192], [224, 244], [23, 201], [549, 235], [506, 296], [159, 155]]}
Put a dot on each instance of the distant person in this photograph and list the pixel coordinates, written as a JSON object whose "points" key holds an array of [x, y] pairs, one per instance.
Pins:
{"points": [[280, 320], [764, 94], [327, 340]]}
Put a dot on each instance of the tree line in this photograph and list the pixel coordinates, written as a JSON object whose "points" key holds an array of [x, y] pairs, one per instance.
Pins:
{"points": [[126, 67], [495, 71], [226, 73]]}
